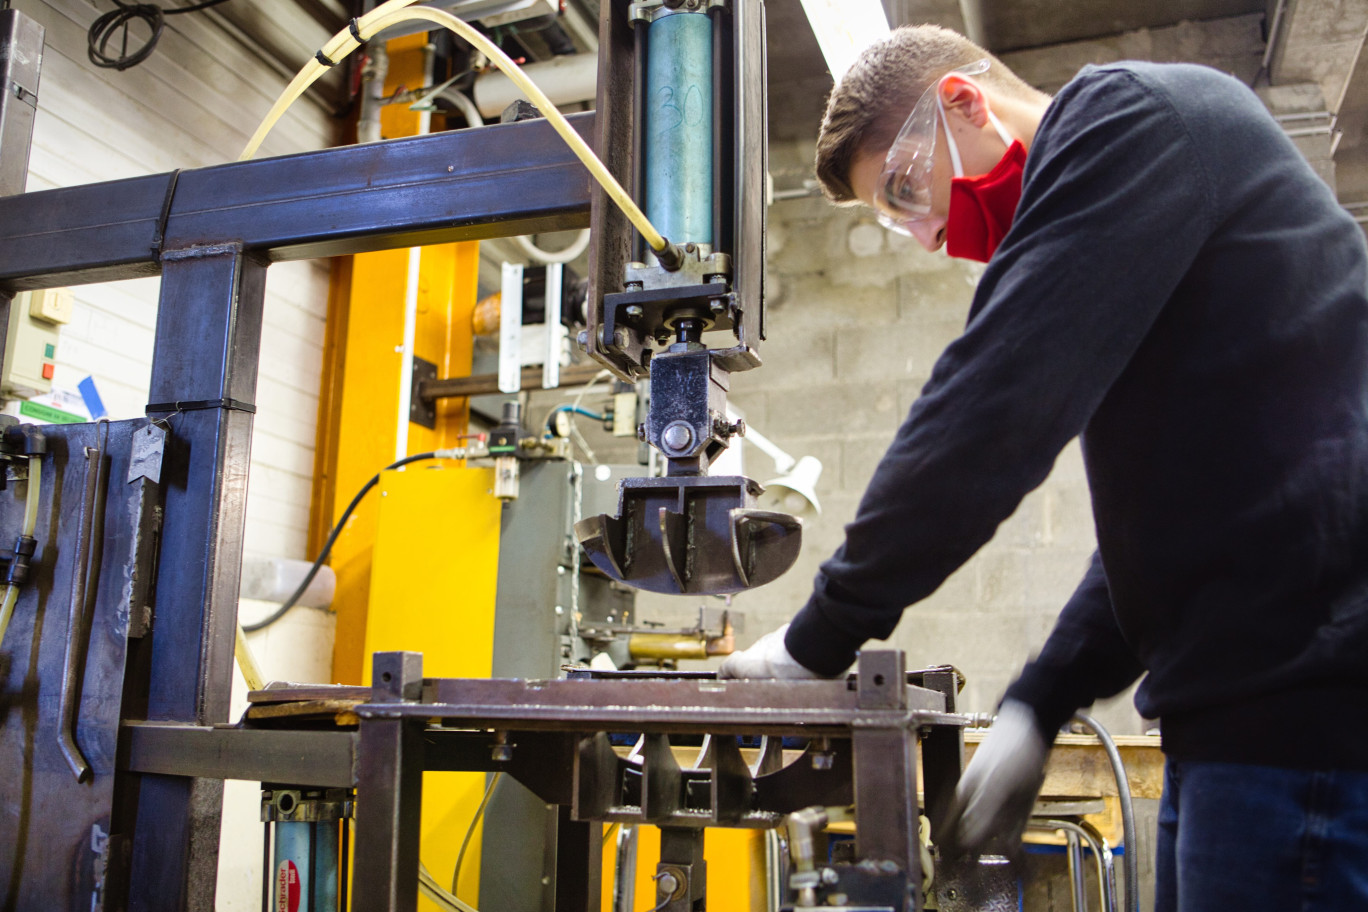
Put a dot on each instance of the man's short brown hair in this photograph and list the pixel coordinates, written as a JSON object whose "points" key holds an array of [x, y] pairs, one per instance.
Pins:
{"points": [[870, 103]]}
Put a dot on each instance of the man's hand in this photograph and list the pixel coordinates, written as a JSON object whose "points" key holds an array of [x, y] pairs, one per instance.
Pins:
{"points": [[998, 789], [768, 658]]}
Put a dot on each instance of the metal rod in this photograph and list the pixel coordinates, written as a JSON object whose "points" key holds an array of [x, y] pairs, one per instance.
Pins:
{"points": [[1106, 868], [625, 869], [1077, 881], [266, 854], [1130, 862], [1268, 54], [486, 384], [86, 564], [1106, 873]]}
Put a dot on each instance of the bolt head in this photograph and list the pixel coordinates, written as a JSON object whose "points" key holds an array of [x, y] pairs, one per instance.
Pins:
{"points": [[666, 884], [641, 432], [635, 312], [583, 339], [716, 305], [677, 437]]}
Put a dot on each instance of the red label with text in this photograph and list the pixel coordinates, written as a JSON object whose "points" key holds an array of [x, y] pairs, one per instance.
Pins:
{"points": [[287, 887]]}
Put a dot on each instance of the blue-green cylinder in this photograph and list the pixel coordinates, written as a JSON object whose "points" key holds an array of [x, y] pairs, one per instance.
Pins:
{"points": [[327, 856], [306, 866], [678, 142], [293, 873]]}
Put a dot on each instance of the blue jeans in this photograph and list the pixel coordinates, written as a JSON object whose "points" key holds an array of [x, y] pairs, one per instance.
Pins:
{"points": [[1237, 838]]}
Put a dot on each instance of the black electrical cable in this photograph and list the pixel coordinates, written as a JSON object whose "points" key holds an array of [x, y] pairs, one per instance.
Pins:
{"points": [[102, 31], [327, 545]]}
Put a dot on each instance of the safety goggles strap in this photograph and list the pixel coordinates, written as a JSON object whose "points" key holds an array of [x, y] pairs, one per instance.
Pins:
{"points": [[950, 139]]}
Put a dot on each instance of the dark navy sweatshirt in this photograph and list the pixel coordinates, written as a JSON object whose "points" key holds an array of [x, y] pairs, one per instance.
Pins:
{"points": [[1183, 292]]}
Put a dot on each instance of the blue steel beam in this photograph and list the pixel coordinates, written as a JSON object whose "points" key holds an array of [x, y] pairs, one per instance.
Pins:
{"points": [[499, 181]]}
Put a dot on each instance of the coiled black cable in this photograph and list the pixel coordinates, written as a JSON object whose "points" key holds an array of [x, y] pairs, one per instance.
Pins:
{"points": [[332, 539], [103, 29]]}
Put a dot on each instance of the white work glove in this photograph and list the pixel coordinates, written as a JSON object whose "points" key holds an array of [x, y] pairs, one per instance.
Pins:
{"points": [[994, 798], [767, 658]]}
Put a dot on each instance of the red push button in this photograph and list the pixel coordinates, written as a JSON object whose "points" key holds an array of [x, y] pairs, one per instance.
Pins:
{"points": [[47, 371]]}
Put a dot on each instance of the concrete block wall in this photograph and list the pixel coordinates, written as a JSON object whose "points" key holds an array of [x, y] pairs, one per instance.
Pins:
{"points": [[857, 317]]}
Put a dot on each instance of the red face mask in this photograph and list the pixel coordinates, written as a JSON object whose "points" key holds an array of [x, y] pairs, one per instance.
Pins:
{"points": [[982, 207]]}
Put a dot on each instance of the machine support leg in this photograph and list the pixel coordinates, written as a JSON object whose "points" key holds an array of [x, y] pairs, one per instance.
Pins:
{"points": [[207, 344], [389, 791], [579, 864], [886, 812], [389, 800], [682, 875], [942, 752]]}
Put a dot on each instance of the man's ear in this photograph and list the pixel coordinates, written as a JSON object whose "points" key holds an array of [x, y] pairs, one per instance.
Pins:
{"points": [[964, 95]]}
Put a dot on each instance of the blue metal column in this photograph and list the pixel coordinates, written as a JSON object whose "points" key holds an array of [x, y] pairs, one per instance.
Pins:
{"points": [[207, 346], [679, 127]]}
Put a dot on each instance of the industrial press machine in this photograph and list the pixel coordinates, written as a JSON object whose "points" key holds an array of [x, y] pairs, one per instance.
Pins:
{"points": [[127, 535]]}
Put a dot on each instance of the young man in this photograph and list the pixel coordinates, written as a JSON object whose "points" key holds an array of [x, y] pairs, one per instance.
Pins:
{"points": [[1168, 279]]}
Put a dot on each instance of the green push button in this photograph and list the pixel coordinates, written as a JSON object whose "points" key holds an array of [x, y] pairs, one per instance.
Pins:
{"points": [[49, 350]]}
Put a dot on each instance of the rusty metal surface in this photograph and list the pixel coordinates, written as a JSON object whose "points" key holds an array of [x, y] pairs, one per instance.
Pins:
{"points": [[662, 705], [55, 832], [317, 758]]}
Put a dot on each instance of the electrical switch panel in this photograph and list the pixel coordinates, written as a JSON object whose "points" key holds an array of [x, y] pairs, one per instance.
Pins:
{"points": [[31, 342], [52, 305]]}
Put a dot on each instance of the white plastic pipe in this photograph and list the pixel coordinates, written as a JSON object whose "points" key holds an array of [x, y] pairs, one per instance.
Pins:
{"points": [[274, 579], [568, 79]]}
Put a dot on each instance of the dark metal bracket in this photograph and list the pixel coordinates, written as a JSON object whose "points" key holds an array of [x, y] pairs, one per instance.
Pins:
{"points": [[422, 412]]}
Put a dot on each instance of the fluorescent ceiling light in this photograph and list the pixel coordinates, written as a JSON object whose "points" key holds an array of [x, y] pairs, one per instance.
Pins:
{"points": [[844, 28]]}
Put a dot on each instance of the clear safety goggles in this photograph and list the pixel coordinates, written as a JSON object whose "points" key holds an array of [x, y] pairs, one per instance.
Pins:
{"points": [[903, 195]]}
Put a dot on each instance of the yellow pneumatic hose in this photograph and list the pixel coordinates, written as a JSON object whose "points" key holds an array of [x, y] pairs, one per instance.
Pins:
{"points": [[393, 13], [35, 480]]}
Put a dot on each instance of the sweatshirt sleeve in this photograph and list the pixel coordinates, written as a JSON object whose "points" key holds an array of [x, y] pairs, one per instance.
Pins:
{"points": [[1116, 205], [1085, 658]]}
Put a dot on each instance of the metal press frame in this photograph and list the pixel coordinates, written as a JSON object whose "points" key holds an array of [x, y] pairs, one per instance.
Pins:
{"points": [[552, 736], [211, 234]]}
